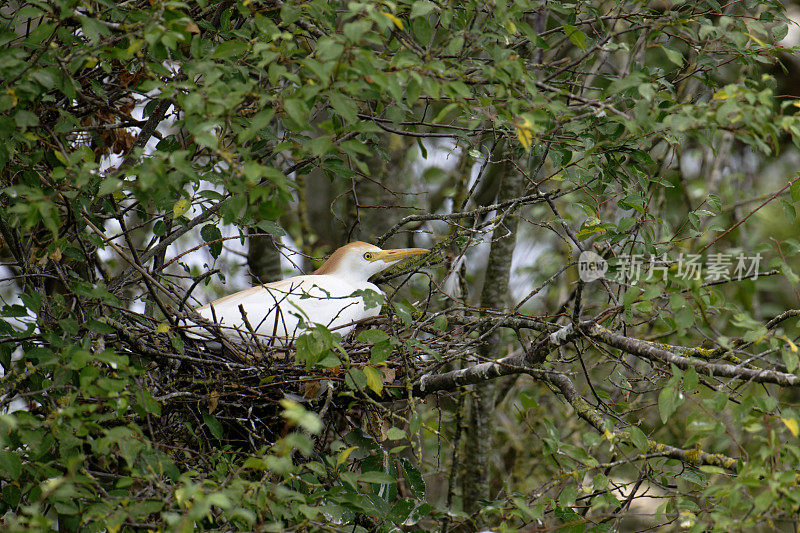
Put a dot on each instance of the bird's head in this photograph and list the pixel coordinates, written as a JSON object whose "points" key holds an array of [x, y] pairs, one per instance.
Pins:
{"points": [[361, 261]]}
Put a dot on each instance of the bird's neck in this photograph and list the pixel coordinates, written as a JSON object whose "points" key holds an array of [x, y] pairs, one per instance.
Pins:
{"points": [[349, 276]]}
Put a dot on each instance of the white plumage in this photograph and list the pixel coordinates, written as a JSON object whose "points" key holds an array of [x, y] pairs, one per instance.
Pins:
{"points": [[279, 312]]}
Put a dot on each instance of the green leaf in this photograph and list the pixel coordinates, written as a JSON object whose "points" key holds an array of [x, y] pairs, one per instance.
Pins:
{"points": [[795, 191], [779, 31], [718, 401], [10, 465], [268, 226], [395, 433], [108, 185], [420, 8], [568, 496], [26, 119], [93, 28], [376, 477], [149, 403], [673, 55], [297, 111], [413, 92], [297, 415], [528, 399], [213, 237], [345, 107], [711, 469], [405, 311], [669, 399], [400, 510], [764, 500], [639, 439], [625, 223], [599, 482], [329, 50], [372, 336], [213, 425], [100, 327], [320, 146], [684, 318], [259, 122], [177, 343], [255, 463], [414, 424], [530, 513], [575, 35], [356, 379], [414, 478], [354, 31], [790, 359], [381, 351], [230, 48], [11, 494], [690, 380], [289, 12], [5, 356]]}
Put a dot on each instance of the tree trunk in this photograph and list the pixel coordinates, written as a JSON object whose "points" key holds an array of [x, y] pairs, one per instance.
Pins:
{"points": [[493, 296], [263, 258]]}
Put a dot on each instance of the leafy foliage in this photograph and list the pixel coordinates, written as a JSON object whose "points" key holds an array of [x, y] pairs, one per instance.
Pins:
{"points": [[114, 419]]}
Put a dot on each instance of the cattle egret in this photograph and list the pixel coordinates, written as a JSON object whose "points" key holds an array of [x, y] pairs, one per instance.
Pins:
{"points": [[278, 312]]}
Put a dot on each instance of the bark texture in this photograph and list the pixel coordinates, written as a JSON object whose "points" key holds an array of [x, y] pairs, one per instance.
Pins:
{"points": [[493, 296], [263, 258]]}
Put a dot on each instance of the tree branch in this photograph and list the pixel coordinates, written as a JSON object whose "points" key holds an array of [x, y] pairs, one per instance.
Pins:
{"points": [[584, 410], [654, 353]]}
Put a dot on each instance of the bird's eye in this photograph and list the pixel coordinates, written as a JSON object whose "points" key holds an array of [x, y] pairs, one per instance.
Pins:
{"points": [[368, 256]]}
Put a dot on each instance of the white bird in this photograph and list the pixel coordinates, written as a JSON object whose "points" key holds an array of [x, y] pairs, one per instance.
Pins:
{"points": [[280, 311]]}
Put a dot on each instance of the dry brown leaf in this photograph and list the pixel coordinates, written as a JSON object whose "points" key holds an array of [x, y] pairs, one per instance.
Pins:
{"points": [[213, 400], [388, 374], [311, 389], [379, 427]]}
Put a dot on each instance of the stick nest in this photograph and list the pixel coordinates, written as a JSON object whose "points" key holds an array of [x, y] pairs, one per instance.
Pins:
{"points": [[212, 392]]}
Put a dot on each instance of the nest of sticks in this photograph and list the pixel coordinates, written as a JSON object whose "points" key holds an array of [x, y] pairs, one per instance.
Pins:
{"points": [[213, 390]]}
